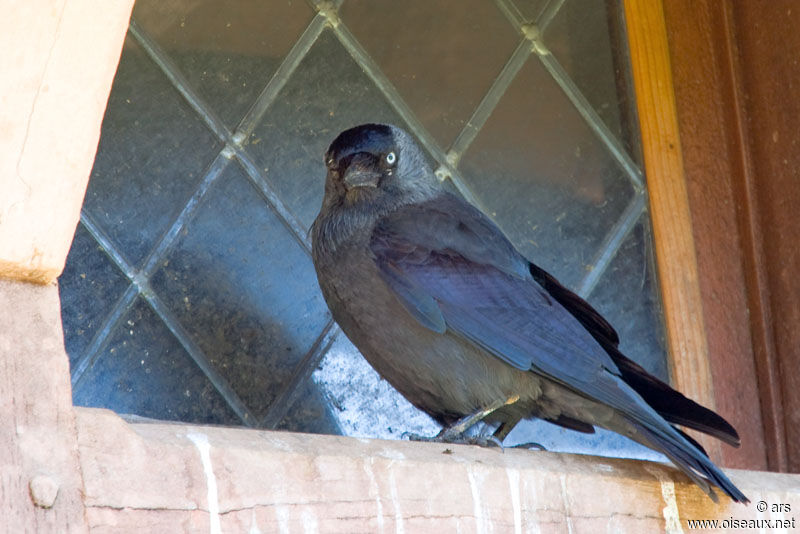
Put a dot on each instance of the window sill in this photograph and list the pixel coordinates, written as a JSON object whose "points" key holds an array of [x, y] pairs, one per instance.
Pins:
{"points": [[210, 478]]}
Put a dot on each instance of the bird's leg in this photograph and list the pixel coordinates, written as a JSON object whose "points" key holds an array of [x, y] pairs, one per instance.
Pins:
{"points": [[457, 429], [455, 432], [505, 429]]}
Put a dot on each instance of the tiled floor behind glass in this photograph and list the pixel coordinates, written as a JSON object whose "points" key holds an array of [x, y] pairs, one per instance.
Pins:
{"points": [[189, 292]]}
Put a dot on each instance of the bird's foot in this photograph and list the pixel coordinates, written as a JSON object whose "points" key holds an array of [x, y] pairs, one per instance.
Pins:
{"points": [[458, 428], [461, 439], [529, 445], [486, 441], [411, 436], [456, 433]]}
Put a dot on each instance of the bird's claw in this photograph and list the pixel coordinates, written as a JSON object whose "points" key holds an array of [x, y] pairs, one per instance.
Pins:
{"points": [[489, 442], [458, 439], [529, 445], [411, 436]]}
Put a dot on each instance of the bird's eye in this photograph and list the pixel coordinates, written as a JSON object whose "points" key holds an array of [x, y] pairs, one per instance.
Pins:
{"points": [[391, 158]]}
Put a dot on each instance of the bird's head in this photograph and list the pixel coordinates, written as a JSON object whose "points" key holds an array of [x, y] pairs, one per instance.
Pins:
{"points": [[376, 165]]}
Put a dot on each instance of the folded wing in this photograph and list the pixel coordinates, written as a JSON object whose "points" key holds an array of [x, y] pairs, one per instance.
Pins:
{"points": [[453, 270]]}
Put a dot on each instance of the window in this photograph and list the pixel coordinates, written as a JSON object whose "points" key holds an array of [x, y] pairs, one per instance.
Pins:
{"points": [[189, 293]]}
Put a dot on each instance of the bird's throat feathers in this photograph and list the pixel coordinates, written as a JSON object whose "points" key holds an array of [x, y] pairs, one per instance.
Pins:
{"points": [[353, 218]]}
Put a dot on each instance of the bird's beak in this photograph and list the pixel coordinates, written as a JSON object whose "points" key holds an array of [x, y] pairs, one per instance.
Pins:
{"points": [[361, 172]]}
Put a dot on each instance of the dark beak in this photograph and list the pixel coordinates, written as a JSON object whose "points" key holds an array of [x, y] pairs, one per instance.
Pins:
{"points": [[361, 172]]}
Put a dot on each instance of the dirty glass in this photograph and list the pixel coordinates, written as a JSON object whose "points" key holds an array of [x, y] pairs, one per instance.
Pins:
{"points": [[189, 292]]}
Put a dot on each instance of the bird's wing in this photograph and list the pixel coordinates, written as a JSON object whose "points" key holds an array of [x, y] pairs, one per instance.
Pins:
{"points": [[670, 404], [595, 323], [454, 270]]}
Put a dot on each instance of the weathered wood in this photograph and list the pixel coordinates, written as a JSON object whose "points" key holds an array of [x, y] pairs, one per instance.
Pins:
{"points": [[735, 70], [161, 477], [58, 61], [669, 207], [38, 445], [768, 46], [703, 50]]}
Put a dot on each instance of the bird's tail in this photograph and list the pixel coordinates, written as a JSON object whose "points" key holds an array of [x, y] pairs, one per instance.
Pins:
{"points": [[690, 457], [670, 404]]}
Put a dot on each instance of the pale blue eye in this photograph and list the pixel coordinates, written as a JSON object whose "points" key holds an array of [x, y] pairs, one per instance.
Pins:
{"points": [[391, 158]]}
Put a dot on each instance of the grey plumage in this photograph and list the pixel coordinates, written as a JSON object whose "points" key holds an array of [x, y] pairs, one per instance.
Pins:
{"points": [[444, 308]]}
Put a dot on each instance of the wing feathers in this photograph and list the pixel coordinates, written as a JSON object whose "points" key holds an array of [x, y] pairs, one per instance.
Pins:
{"points": [[477, 286]]}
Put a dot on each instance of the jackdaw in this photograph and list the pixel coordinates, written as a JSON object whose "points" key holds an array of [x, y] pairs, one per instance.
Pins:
{"points": [[443, 306]]}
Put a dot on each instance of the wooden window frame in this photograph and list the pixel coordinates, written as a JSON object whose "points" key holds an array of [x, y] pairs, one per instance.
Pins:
{"points": [[733, 69], [669, 204]]}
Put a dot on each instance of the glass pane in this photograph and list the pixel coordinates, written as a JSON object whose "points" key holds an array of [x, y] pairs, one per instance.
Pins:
{"points": [[438, 56], [227, 49], [143, 172], [89, 287], [190, 281], [328, 93], [628, 297], [531, 10], [145, 371], [243, 288], [542, 174], [582, 37]]}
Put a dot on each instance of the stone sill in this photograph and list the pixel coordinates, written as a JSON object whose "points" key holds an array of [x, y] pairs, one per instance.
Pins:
{"points": [[162, 477]]}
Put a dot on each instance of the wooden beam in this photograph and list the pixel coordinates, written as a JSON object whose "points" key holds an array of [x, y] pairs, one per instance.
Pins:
{"points": [[669, 206], [721, 182], [40, 483], [59, 59], [153, 477], [766, 50]]}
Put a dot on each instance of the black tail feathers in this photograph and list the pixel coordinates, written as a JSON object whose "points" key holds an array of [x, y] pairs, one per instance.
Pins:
{"points": [[690, 457], [673, 405]]}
